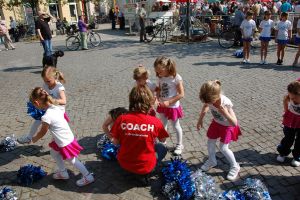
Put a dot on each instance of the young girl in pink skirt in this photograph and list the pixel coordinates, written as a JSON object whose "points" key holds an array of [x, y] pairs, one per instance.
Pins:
{"points": [[170, 91], [53, 84], [291, 123], [64, 145], [224, 126]]}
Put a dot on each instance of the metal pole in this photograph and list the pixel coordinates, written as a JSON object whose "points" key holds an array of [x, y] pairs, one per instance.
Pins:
{"points": [[188, 20]]}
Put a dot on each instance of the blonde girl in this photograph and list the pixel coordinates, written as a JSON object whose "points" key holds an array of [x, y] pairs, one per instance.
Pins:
{"points": [[64, 145], [53, 80], [224, 126], [283, 33], [170, 91], [265, 29], [248, 28], [141, 77]]}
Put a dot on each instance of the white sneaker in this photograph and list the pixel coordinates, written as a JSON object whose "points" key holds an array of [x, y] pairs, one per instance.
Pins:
{"points": [[261, 62], [244, 61], [61, 175], [178, 149], [233, 172], [208, 165], [280, 158], [295, 163], [85, 180], [24, 139], [265, 62], [248, 61]]}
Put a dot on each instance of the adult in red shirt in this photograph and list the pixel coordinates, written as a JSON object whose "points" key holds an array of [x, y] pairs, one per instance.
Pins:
{"points": [[136, 132]]}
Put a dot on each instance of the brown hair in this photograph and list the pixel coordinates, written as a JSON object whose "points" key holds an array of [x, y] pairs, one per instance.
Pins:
{"points": [[266, 13], [39, 93], [249, 13], [140, 72], [116, 112], [210, 91], [284, 14], [294, 88], [50, 71], [140, 99], [165, 63]]}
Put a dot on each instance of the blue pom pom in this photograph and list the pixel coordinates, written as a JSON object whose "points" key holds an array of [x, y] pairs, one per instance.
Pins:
{"points": [[239, 53], [109, 151], [8, 144], [178, 183], [34, 112], [29, 174], [8, 194]]}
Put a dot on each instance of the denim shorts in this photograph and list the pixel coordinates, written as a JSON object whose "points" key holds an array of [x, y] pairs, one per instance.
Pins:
{"points": [[297, 41], [247, 39], [265, 39], [282, 42]]}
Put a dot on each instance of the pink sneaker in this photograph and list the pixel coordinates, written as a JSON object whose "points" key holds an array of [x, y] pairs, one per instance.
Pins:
{"points": [[85, 180], [61, 175]]}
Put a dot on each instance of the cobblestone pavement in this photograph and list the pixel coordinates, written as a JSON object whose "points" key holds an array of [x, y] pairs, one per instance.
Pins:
{"points": [[99, 79]]}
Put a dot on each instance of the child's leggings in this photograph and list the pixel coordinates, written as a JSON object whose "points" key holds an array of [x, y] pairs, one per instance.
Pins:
{"points": [[176, 126], [211, 147], [34, 128], [74, 161]]}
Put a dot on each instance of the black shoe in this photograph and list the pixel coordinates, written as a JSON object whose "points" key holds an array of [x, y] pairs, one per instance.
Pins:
{"points": [[281, 61], [278, 62], [142, 40]]}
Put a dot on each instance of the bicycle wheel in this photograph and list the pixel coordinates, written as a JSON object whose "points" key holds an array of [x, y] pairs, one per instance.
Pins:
{"points": [[150, 33], [72, 43], [226, 39], [163, 35], [95, 39]]}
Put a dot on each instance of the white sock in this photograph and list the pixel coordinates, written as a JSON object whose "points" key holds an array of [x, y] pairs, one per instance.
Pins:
{"points": [[178, 130], [34, 128], [224, 148], [211, 148], [164, 120], [75, 161], [58, 159]]}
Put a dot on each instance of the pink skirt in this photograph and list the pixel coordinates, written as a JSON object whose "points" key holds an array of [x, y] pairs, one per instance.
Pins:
{"points": [[66, 117], [67, 152], [226, 133], [291, 120], [171, 113]]}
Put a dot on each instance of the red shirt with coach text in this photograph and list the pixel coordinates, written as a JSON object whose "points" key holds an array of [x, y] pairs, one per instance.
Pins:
{"points": [[136, 133]]}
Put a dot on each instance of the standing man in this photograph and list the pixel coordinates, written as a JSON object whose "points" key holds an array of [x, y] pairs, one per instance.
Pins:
{"points": [[142, 18], [13, 29], [82, 26], [285, 7], [44, 33]]}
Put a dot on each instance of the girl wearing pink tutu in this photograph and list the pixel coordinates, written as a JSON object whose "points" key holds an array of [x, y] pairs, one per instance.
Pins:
{"points": [[64, 145], [224, 126], [291, 123], [170, 91]]}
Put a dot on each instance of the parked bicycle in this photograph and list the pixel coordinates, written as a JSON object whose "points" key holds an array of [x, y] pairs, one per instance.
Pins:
{"points": [[73, 42], [157, 31]]}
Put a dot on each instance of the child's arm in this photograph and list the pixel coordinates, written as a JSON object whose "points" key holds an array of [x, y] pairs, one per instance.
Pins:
{"points": [[276, 33], [173, 100], [115, 141], [41, 133], [290, 34], [286, 100], [63, 98], [105, 126], [204, 110], [228, 113]]}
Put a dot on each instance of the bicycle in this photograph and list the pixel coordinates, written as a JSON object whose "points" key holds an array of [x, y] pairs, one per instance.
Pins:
{"points": [[73, 42], [157, 31]]}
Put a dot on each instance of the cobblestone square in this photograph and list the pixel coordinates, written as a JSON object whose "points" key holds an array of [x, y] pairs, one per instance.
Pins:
{"points": [[100, 79]]}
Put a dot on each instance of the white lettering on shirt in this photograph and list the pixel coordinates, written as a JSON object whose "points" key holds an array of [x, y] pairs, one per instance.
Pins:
{"points": [[137, 127]]}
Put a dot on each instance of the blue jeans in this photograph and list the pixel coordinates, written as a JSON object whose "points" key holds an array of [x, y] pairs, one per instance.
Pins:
{"points": [[47, 45], [161, 152]]}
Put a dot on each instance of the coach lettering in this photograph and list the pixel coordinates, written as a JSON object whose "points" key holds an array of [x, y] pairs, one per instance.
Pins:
{"points": [[137, 127]]}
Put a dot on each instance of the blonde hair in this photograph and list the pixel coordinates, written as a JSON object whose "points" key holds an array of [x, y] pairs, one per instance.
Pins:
{"points": [[140, 99], [38, 93], [140, 72], [167, 64], [210, 91], [50, 71]]}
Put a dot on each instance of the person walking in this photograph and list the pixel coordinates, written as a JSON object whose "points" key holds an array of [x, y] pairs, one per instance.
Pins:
{"points": [[4, 33], [44, 33], [142, 17], [82, 26], [13, 29]]}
